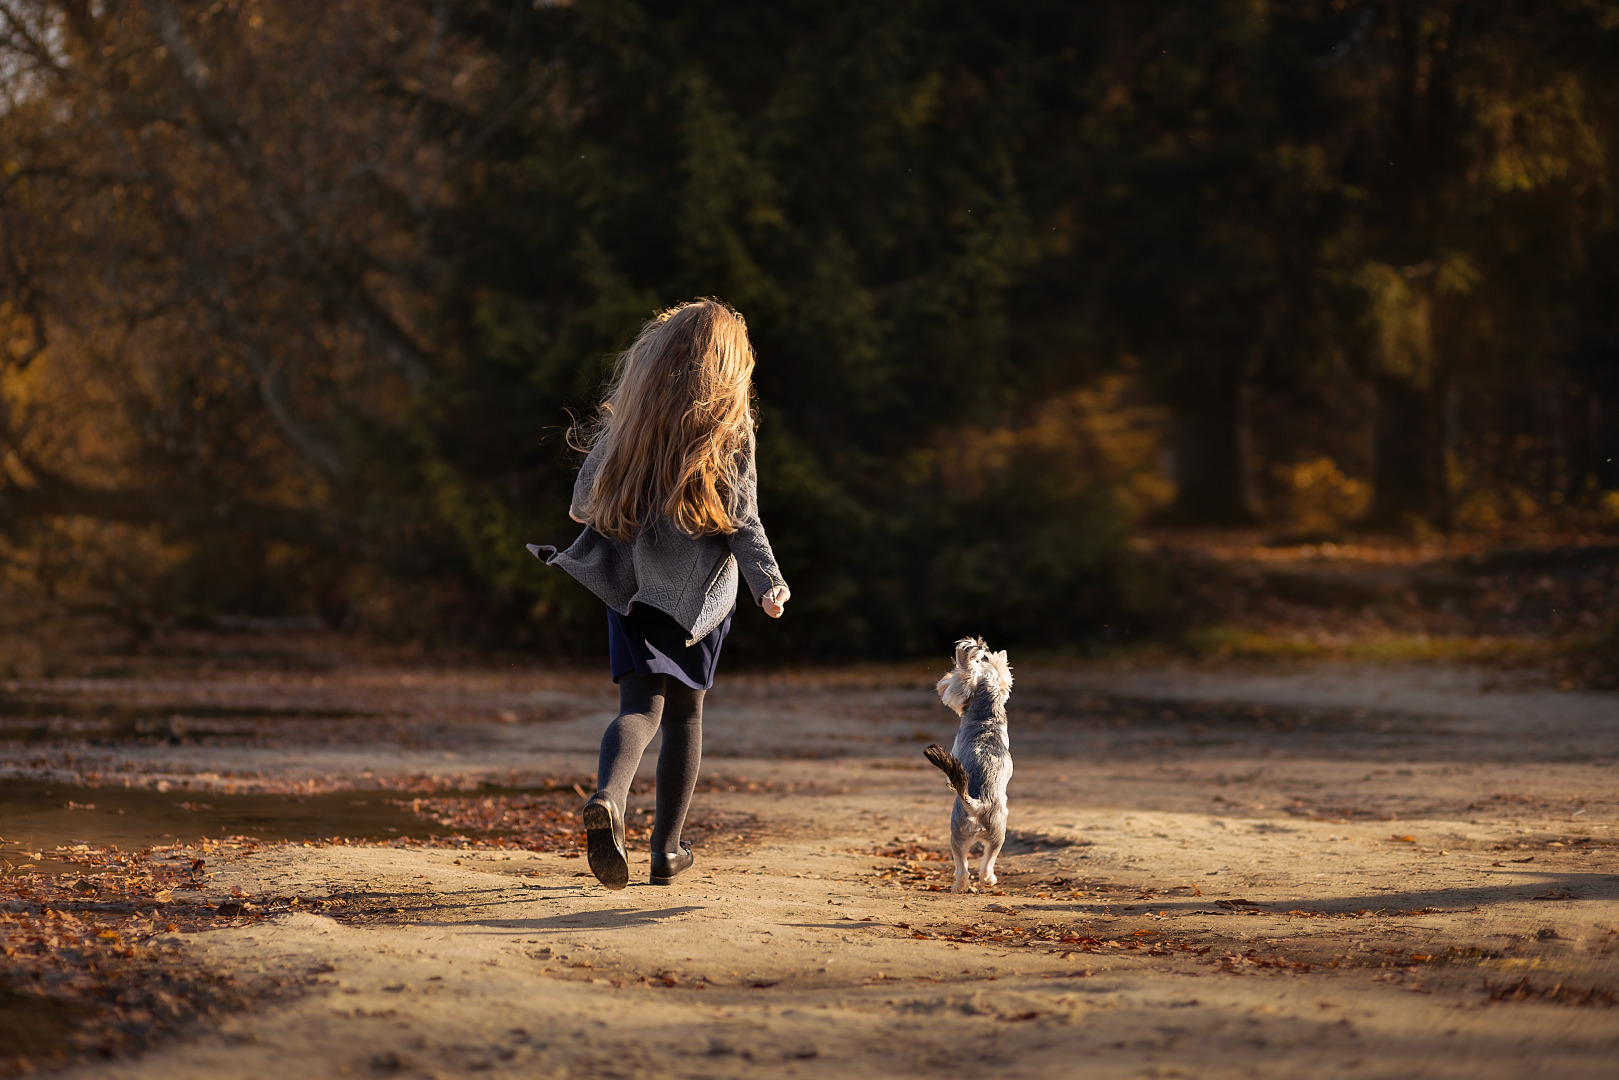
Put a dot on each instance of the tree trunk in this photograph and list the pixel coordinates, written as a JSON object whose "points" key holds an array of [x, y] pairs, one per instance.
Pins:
{"points": [[1408, 468], [1212, 454]]}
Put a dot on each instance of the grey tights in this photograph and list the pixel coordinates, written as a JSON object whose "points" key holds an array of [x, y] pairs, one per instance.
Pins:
{"points": [[645, 703]]}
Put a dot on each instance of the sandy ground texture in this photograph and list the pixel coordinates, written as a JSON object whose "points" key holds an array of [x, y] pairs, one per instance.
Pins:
{"points": [[1330, 870]]}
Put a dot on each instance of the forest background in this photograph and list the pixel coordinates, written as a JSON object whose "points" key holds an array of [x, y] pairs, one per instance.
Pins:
{"points": [[297, 298]]}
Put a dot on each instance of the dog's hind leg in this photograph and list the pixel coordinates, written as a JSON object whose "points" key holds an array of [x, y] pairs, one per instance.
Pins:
{"points": [[962, 830], [994, 837]]}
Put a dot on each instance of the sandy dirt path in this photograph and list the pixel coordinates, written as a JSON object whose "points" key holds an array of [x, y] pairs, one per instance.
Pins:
{"points": [[1353, 870]]}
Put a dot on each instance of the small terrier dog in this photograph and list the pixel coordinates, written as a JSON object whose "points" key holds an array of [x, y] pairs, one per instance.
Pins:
{"points": [[980, 763]]}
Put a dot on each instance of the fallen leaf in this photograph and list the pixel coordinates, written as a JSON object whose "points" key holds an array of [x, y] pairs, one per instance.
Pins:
{"points": [[1404, 839]]}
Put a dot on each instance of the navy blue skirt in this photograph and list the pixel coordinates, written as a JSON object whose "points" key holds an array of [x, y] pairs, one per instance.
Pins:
{"points": [[649, 642]]}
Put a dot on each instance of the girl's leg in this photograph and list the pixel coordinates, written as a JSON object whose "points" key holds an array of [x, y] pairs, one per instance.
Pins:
{"points": [[640, 708], [682, 753]]}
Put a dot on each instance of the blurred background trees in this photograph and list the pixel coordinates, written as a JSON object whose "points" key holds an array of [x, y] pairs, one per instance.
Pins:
{"points": [[297, 297]]}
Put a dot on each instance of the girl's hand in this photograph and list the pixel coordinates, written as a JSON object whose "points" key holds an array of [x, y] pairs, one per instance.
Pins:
{"points": [[773, 600]]}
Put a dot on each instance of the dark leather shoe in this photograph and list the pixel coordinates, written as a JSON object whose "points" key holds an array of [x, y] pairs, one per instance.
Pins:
{"points": [[604, 841], [668, 865]]}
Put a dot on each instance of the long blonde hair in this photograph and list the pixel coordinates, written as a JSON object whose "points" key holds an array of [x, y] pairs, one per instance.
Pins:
{"points": [[674, 425]]}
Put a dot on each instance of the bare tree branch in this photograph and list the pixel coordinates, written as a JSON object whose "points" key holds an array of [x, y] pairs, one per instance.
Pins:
{"points": [[276, 395], [369, 316]]}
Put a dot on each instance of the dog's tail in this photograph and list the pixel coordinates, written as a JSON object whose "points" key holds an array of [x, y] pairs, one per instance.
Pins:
{"points": [[951, 767]]}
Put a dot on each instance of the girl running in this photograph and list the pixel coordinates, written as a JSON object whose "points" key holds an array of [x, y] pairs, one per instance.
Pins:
{"points": [[669, 499]]}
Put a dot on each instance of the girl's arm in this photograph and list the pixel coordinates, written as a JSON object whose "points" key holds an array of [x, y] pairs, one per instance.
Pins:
{"points": [[581, 486], [751, 546]]}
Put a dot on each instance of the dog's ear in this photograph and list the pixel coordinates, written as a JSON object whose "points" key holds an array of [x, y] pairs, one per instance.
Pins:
{"points": [[964, 652], [954, 691], [1000, 672]]}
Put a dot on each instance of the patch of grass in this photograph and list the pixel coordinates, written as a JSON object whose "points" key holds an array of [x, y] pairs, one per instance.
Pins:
{"points": [[1229, 641], [1592, 661]]}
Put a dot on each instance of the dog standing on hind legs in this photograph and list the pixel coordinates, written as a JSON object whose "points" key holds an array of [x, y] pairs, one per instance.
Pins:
{"points": [[980, 764]]}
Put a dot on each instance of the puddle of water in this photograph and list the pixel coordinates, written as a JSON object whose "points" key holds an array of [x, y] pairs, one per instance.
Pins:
{"points": [[40, 817]]}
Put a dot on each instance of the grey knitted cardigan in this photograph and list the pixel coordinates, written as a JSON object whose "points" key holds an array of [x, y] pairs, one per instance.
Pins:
{"points": [[691, 578]]}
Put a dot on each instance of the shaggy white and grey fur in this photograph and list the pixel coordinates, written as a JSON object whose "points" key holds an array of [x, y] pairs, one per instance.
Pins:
{"points": [[980, 764]]}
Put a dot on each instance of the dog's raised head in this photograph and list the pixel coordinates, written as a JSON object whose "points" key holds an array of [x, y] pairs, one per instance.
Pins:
{"points": [[977, 670]]}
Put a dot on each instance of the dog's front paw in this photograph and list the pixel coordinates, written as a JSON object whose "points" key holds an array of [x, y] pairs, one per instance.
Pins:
{"points": [[989, 879], [961, 886]]}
